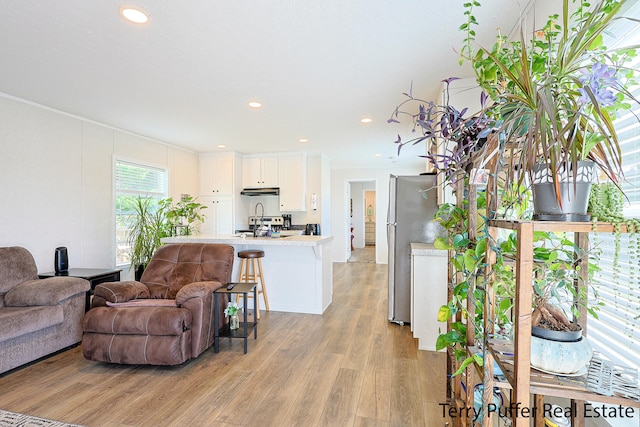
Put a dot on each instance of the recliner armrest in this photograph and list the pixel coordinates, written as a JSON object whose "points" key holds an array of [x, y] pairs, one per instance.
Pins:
{"points": [[196, 290], [119, 292], [49, 291]]}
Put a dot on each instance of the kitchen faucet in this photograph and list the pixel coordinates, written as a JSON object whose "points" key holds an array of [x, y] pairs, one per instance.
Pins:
{"points": [[255, 226]]}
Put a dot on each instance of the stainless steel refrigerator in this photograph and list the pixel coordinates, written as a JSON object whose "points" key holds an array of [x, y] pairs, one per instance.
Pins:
{"points": [[409, 220]]}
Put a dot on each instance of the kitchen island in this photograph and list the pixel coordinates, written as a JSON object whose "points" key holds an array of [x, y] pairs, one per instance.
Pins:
{"points": [[297, 269]]}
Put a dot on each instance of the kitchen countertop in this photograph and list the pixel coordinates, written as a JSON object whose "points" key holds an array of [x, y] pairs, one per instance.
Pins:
{"points": [[302, 240], [427, 249], [297, 269]]}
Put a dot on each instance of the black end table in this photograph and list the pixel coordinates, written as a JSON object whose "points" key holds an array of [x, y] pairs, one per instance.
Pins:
{"points": [[246, 326], [95, 276]]}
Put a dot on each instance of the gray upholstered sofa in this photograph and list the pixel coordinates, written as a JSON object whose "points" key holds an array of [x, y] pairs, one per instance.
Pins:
{"points": [[37, 316]]}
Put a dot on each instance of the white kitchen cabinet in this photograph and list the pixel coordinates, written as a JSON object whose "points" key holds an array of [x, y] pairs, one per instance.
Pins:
{"points": [[216, 175], [260, 172], [428, 292], [293, 183], [219, 215]]}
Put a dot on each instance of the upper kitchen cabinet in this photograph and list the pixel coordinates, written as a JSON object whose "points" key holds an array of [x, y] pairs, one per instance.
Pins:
{"points": [[216, 174], [260, 172], [293, 182]]}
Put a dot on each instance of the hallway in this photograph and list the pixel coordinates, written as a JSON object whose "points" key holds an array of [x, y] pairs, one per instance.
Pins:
{"points": [[366, 254]]}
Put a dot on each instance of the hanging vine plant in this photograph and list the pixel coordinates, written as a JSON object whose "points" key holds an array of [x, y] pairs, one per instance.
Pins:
{"points": [[606, 203]]}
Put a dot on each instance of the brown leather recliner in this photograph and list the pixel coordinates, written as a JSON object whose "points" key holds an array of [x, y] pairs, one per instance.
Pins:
{"points": [[165, 319]]}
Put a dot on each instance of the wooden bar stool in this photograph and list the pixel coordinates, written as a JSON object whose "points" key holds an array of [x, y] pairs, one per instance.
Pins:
{"points": [[251, 271]]}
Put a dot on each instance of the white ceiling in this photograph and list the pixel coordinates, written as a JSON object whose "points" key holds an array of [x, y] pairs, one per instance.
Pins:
{"points": [[185, 78]]}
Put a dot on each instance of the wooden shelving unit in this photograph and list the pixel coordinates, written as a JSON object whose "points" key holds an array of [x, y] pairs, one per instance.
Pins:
{"points": [[521, 384], [513, 358]]}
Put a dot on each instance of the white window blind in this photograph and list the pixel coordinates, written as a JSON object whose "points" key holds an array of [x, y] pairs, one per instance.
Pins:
{"points": [[131, 181], [616, 333]]}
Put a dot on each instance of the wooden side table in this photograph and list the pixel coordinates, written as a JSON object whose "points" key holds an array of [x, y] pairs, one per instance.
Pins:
{"points": [[245, 327], [95, 276]]}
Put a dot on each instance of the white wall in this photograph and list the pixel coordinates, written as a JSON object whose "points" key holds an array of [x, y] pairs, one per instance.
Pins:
{"points": [[340, 219], [56, 182], [56, 185]]}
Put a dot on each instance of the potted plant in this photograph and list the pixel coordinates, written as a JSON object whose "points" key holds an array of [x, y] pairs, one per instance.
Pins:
{"points": [[557, 95], [146, 228], [182, 217], [557, 344], [453, 139]]}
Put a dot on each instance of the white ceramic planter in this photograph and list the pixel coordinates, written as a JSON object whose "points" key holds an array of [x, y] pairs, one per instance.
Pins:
{"points": [[560, 357]]}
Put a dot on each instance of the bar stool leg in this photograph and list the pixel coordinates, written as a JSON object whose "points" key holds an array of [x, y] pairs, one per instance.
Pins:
{"points": [[262, 286], [248, 273]]}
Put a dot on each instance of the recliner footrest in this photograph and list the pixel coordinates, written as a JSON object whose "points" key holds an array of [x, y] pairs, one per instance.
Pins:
{"points": [[138, 320]]}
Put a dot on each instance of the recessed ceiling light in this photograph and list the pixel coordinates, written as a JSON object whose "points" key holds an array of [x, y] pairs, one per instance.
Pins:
{"points": [[221, 146], [134, 15], [303, 140], [255, 104], [378, 155], [366, 120]]}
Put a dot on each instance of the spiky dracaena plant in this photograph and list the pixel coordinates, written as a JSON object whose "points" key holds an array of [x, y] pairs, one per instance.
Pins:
{"points": [[558, 93]]}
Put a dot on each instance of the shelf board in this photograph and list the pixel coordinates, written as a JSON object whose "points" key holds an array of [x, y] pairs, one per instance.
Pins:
{"points": [[568, 226], [226, 332], [549, 384]]}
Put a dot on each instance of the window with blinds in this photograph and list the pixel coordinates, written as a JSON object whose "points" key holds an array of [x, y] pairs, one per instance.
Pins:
{"points": [[616, 333], [131, 181]]}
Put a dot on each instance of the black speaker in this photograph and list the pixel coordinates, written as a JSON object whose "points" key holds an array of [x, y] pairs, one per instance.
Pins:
{"points": [[61, 262]]}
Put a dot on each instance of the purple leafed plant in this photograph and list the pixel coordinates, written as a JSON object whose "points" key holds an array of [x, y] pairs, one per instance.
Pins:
{"points": [[461, 136]]}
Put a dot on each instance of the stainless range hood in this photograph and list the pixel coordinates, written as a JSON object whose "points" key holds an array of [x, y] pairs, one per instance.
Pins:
{"points": [[272, 191]]}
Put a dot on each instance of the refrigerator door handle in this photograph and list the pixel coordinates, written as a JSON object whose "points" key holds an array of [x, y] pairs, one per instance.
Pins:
{"points": [[391, 241]]}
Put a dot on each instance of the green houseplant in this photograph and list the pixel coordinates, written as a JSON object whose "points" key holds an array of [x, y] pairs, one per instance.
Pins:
{"points": [[182, 217], [152, 220], [147, 225], [557, 94]]}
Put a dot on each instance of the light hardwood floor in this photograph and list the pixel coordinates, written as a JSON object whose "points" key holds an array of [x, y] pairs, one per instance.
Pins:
{"points": [[348, 367]]}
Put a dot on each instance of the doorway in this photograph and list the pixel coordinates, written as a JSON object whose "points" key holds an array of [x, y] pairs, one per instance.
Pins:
{"points": [[362, 221]]}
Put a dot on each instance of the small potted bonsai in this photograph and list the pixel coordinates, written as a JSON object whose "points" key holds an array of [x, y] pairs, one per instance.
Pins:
{"points": [[557, 344]]}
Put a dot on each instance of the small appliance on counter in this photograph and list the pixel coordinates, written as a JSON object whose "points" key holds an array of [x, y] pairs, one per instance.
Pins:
{"points": [[312, 230], [286, 221]]}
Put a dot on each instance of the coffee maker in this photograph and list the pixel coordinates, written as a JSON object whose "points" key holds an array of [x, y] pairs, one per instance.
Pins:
{"points": [[312, 230], [286, 221]]}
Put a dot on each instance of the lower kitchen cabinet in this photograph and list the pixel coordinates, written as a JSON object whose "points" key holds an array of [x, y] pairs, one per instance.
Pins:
{"points": [[428, 292], [219, 215]]}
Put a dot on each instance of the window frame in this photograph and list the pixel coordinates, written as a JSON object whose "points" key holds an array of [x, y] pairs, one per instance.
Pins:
{"points": [[159, 195]]}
